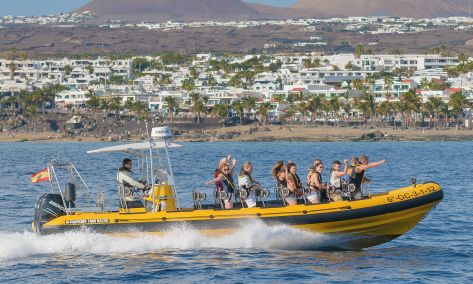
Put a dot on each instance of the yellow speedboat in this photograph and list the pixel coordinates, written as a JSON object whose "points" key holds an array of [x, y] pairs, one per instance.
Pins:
{"points": [[373, 220]]}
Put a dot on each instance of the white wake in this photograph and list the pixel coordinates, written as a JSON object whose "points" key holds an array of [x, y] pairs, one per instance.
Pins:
{"points": [[254, 234]]}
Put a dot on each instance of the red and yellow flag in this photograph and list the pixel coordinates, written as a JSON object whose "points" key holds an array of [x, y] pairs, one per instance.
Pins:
{"points": [[40, 176]]}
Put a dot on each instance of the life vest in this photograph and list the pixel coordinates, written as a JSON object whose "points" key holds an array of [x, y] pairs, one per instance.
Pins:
{"points": [[319, 179], [296, 180], [228, 183], [243, 174], [281, 183], [218, 184], [356, 178]]}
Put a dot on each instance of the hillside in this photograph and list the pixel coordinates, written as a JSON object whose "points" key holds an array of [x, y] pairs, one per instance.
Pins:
{"points": [[400, 8], [176, 10]]}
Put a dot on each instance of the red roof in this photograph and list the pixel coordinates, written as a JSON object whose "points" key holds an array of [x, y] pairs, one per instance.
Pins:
{"points": [[298, 90], [453, 90], [419, 91], [407, 81]]}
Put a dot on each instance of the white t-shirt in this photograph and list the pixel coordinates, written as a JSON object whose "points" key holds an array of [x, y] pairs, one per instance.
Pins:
{"points": [[335, 180], [244, 181]]}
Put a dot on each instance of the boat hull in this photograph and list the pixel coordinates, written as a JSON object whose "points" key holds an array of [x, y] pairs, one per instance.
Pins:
{"points": [[361, 223]]}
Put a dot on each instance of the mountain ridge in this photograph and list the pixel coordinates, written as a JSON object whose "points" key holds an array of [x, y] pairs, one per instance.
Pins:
{"points": [[398, 8]]}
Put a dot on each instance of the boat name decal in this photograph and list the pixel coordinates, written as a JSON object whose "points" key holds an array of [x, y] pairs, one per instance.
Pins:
{"points": [[87, 221], [57, 205], [412, 194]]}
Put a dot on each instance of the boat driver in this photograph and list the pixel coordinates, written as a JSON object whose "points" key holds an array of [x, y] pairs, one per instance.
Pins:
{"points": [[127, 184]]}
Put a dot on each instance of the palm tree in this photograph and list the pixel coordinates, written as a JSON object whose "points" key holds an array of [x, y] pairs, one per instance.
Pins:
{"points": [[308, 63], [346, 106], [413, 103], [359, 50], [221, 111], [303, 108], [116, 105], [171, 104], [385, 109], [370, 105], [358, 85], [388, 83], [462, 67], [12, 68], [198, 105], [188, 84], [262, 111], [457, 102], [424, 83], [370, 80], [334, 105], [249, 103], [280, 98], [240, 109], [67, 69], [437, 105], [401, 108], [315, 105], [211, 81]]}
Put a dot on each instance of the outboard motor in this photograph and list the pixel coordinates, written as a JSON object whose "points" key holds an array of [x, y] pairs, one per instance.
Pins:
{"points": [[48, 207], [70, 195]]}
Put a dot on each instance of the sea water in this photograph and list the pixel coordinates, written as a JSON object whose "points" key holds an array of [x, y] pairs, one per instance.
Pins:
{"points": [[437, 250]]}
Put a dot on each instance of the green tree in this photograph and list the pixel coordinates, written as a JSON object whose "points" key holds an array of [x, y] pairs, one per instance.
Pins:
{"points": [[359, 50], [249, 103], [172, 104], [437, 106], [412, 101], [188, 84], [139, 65], [457, 102], [211, 81], [385, 109], [67, 69], [315, 105], [262, 112], [90, 69], [198, 105], [240, 109], [388, 84], [221, 111]]}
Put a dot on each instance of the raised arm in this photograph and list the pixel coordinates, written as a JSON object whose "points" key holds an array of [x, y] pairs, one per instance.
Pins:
{"points": [[369, 166], [233, 167], [345, 169]]}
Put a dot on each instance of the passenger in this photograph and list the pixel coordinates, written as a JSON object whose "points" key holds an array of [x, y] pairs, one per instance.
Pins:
{"points": [[312, 169], [336, 177], [225, 177], [294, 184], [221, 163], [357, 173], [127, 184], [246, 182], [279, 173], [318, 189]]}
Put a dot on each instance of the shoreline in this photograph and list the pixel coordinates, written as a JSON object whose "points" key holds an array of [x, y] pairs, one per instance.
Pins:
{"points": [[249, 133]]}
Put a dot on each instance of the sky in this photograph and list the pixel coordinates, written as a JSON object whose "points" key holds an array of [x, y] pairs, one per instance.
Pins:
{"points": [[46, 7]]}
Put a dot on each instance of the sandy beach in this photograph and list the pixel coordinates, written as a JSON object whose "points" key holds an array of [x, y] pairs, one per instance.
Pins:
{"points": [[269, 133]]}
